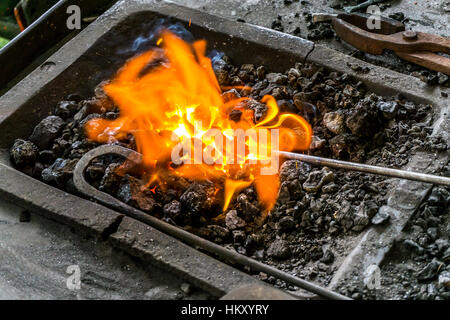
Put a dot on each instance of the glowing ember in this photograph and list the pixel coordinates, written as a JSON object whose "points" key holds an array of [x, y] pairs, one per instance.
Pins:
{"points": [[172, 104]]}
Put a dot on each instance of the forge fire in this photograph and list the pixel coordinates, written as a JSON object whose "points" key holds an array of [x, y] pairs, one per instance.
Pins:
{"points": [[171, 102]]}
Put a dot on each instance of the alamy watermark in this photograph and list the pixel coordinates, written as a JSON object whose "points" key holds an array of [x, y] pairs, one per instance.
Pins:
{"points": [[73, 22], [73, 282], [374, 20], [372, 277], [252, 146]]}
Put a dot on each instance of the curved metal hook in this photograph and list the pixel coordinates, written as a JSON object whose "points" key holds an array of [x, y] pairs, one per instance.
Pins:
{"points": [[187, 237]]}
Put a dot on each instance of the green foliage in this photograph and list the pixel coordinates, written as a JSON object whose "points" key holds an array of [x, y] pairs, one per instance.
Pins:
{"points": [[3, 42], [8, 27]]}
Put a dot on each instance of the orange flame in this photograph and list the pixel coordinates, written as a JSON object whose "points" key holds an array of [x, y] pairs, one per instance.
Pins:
{"points": [[182, 96]]}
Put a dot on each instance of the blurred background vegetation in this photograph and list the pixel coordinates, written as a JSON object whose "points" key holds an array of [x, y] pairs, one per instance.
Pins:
{"points": [[15, 15]]}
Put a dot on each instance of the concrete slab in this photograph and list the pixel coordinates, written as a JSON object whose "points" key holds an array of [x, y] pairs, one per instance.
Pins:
{"points": [[35, 255]]}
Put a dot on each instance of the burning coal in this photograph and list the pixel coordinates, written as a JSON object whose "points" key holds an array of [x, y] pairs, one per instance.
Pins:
{"points": [[171, 102]]}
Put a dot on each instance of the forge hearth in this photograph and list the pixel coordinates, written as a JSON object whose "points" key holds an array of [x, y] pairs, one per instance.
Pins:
{"points": [[314, 203], [321, 213]]}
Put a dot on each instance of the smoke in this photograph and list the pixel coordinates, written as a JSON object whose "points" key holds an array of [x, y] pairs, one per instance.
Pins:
{"points": [[148, 40]]}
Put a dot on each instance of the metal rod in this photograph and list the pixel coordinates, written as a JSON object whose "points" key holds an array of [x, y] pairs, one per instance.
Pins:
{"points": [[362, 5], [187, 237], [396, 173]]}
